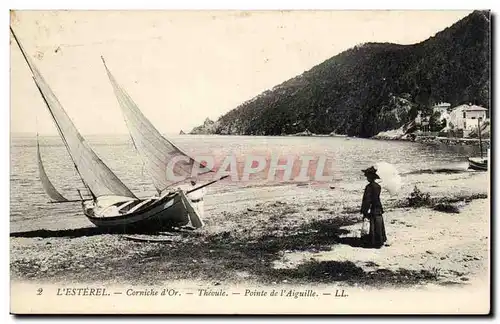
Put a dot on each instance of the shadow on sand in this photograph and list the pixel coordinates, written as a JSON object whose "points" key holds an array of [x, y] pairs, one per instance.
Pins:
{"points": [[229, 256], [249, 253], [439, 170], [76, 232], [353, 241]]}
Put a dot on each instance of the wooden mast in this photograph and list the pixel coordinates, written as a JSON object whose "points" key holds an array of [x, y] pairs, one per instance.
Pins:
{"points": [[479, 134]]}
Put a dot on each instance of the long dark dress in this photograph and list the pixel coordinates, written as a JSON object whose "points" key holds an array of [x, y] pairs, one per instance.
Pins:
{"points": [[371, 208]]}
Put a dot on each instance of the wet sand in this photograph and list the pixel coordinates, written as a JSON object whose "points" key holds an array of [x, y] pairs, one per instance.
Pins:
{"points": [[288, 235]]}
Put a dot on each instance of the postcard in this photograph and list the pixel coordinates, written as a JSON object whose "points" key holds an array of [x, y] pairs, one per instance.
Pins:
{"points": [[250, 162]]}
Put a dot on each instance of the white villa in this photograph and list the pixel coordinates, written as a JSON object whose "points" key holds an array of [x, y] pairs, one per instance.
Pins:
{"points": [[465, 117]]}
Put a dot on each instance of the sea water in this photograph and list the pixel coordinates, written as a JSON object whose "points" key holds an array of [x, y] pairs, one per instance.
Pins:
{"points": [[30, 207]]}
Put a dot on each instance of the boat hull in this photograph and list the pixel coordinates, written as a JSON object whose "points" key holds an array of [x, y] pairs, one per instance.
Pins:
{"points": [[163, 214], [478, 164]]}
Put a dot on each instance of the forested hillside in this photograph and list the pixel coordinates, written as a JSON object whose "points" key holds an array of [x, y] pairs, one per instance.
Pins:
{"points": [[373, 87]]}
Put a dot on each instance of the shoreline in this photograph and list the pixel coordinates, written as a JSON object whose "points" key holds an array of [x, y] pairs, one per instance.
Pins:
{"points": [[450, 141]]}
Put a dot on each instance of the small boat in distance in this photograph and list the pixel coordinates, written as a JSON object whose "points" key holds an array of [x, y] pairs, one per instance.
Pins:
{"points": [[479, 163], [112, 203]]}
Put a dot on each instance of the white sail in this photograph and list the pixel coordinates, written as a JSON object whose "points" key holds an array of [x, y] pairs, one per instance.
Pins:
{"points": [[47, 185], [156, 151], [99, 179]]}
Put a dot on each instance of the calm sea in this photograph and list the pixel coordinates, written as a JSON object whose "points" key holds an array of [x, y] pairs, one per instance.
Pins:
{"points": [[30, 208]]}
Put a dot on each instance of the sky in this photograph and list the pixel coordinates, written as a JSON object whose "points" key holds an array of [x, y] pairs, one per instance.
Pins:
{"points": [[181, 67]]}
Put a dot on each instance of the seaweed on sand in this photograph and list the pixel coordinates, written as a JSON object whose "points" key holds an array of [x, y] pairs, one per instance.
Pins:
{"points": [[348, 272], [419, 198]]}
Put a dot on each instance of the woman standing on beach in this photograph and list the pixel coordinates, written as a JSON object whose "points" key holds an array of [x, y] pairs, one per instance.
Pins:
{"points": [[371, 208]]}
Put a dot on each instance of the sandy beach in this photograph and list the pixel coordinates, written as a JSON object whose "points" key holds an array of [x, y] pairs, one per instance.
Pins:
{"points": [[293, 234]]}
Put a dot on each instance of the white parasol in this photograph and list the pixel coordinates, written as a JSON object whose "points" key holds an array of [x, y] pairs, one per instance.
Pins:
{"points": [[389, 177]]}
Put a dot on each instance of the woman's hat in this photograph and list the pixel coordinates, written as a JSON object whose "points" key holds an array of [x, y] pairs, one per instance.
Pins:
{"points": [[371, 171]]}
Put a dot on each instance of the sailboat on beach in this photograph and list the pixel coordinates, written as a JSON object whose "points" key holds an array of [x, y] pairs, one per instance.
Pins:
{"points": [[113, 204]]}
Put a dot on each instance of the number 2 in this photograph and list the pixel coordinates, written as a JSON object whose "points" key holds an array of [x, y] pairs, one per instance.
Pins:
{"points": [[39, 291]]}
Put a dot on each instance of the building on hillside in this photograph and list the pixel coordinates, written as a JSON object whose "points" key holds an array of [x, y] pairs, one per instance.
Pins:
{"points": [[464, 117], [442, 107], [418, 119]]}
